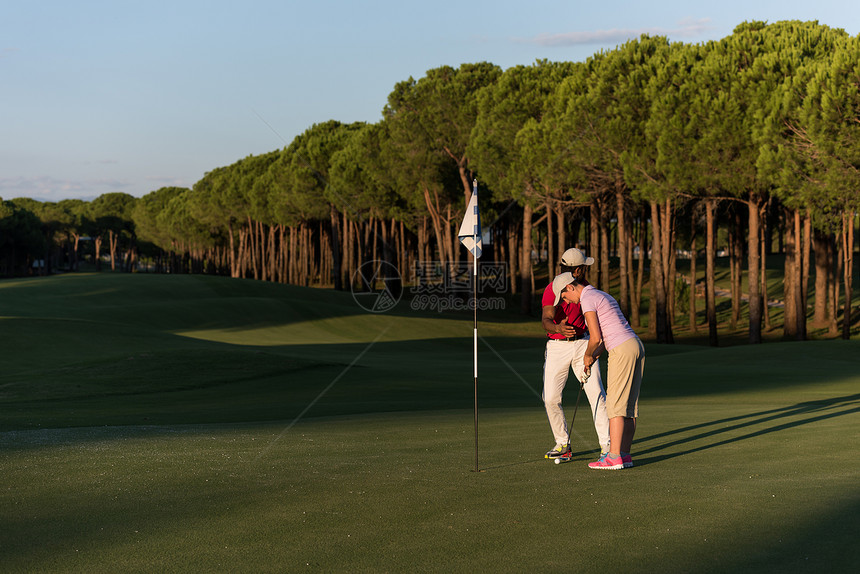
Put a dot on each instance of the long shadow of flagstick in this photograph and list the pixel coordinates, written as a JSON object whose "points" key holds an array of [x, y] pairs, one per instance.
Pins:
{"points": [[320, 395]]}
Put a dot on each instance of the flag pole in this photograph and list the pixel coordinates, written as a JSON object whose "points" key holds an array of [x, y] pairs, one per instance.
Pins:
{"points": [[475, 339], [470, 236]]}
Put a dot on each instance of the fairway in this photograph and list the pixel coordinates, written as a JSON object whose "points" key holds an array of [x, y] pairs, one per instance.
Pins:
{"points": [[190, 424]]}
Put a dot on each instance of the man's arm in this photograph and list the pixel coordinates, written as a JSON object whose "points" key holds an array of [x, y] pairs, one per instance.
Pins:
{"points": [[553, 328]]}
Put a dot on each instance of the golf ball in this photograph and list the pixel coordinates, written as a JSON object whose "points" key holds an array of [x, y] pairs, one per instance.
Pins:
{"points": [[558, 461]]}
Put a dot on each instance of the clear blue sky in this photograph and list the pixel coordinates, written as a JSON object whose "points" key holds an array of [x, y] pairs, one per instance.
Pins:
{"points": [[103, 96]]}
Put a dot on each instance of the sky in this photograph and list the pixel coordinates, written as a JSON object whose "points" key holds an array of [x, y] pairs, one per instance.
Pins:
{"points": [[117, 96]]}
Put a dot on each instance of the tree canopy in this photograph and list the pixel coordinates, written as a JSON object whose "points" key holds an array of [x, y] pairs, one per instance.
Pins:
{"points": [[759, 128]]}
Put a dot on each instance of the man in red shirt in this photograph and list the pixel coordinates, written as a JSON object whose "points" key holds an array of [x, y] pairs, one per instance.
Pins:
{"points": [[567, 340]]}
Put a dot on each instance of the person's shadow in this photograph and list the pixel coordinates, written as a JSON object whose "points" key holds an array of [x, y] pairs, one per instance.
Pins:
{"points": [[776, 420]]}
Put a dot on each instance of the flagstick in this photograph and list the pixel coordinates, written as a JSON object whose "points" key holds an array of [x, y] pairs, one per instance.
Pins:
{"points": [[475, 301], [470, 236]]}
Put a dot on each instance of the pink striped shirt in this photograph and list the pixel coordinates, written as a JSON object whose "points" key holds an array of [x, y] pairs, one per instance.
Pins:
{"points": [[613, 325]]}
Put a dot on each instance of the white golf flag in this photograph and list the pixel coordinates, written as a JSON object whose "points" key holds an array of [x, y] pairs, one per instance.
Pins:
{"points": [[470, 229]]}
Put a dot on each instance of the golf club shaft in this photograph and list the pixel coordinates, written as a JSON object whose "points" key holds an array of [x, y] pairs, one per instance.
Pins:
{"points": [[573, 418]]}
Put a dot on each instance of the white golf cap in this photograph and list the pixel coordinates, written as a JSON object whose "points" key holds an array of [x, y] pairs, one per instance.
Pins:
{"points": [[560, 282], [573, 257]]}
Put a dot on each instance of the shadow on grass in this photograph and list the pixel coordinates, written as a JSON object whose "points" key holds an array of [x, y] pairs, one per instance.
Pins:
{"points": [[827, 544], [512, 464], [810, 411]]}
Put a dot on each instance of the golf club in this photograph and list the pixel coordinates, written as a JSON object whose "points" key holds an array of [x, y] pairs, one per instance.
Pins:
{"points": [[573, 418]]}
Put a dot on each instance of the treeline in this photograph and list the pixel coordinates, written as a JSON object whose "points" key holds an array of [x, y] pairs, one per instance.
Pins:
{"points": [[650, 148]]}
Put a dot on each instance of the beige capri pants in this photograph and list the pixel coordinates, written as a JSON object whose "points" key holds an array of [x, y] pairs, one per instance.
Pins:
{"points": [[625, 366]]}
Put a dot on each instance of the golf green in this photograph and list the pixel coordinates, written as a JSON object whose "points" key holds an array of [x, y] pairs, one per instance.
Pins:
{"points": [[207, 424]]}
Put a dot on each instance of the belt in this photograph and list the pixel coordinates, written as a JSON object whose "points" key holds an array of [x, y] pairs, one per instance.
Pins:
{"points": [[574, 338]]}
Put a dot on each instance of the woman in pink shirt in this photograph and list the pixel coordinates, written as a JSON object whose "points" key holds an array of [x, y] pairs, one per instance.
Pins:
{"points": [[609, 330]]}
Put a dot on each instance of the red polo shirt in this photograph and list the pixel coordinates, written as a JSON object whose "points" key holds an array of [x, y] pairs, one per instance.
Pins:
{"points": [[563, 309]]}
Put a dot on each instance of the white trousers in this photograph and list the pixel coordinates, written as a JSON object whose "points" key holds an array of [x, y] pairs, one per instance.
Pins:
{"points": [[559, 359]]}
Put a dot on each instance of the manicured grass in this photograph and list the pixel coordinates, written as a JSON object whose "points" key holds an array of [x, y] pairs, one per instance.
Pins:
{"points": [[716, 489], [158, 424]]}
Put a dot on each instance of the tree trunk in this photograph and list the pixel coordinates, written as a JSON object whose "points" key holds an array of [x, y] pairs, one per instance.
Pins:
{"points": [[75, 250], [325, 256], [799, 292], [623, 244], [693, 250], [251, 247], [387, 242], [266, 250], [303, 254], [736, 256], [763, 251], [371, 237], [308, 254], [345, 250], [710, 275], [526, 261], [628, 256], [462, 163], [277, 263], [293, 257], [273, 252], [422, 241], [835, 270], [594, 242], [350, 248], [804, 273], [562, 235], [790, 283], [261, 250], [436, 219], [112, 241], [402, 252], [636, 289], [754, 264], [733, 269], [513, 258], [551, 261], [823, 264], [661, 327], [449, 233], [97, 245], [603, 251], [397, 238], [240, 252], [132, 260], [243, 253], [335, 249], [358, 250], [669, 268], [847, 270], [234, 272]]}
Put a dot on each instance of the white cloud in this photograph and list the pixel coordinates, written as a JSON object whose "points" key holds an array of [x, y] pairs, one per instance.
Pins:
{"points": [[51, 189], [685, 29]]}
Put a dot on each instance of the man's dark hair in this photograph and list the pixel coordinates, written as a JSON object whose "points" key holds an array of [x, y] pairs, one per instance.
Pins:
{"points": [[570, 269]]}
